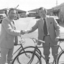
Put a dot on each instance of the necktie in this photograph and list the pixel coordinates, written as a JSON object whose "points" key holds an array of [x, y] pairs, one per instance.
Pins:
{"points": [[45, 27], [13, 25]]}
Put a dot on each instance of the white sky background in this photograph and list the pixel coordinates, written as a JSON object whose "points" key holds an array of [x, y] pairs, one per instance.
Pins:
{"points": [[29, 4]]}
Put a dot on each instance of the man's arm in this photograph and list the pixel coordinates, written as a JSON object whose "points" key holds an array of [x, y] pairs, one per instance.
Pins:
{"points": [[57, 27], [9, 29], [33, 28]]}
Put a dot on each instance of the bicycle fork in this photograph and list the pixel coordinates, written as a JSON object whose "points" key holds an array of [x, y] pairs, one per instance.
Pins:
{"points": [[33, 56]]}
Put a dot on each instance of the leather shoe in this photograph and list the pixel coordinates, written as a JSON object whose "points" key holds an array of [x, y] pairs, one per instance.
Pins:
{"points": [[47, 61]]}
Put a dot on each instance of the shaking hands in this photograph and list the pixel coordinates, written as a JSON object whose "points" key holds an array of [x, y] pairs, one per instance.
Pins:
{"points": [[24, 32]]}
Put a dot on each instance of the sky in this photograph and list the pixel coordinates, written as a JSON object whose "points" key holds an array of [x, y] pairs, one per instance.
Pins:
{"points": [[29, 4]]}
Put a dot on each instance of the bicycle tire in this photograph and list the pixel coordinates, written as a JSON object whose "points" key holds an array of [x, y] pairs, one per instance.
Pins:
{"points": [[26, 59], [30, 48], [59, 58]]}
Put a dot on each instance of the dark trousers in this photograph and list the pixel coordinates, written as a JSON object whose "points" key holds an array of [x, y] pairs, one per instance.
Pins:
{"points": [[50, 43]]}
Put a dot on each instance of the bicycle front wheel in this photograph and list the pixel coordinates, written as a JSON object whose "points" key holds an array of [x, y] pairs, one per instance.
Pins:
{"points": [[27, 58], [60, 58]]}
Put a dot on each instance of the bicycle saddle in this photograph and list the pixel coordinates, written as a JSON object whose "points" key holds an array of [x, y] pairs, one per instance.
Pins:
{"points": [[61, 39]]}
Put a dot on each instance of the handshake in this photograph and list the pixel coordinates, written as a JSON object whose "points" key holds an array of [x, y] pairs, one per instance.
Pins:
{"points": [[24, 32]]}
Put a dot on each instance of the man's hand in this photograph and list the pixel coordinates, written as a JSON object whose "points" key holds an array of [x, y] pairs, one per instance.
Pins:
{"points": [[56, 39], [25, 31], [15, 44], [22, 32]]}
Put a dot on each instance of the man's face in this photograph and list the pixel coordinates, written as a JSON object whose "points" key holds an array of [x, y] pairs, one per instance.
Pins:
{"points": [[13, 14], [16, 17], [42, 13]]}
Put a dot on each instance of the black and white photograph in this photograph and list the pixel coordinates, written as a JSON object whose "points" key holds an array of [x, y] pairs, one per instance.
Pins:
{"points": [[31, 31]]}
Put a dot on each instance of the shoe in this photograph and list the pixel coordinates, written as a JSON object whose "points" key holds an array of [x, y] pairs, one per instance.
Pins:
{"points": [[47, 61], [55, 61]]}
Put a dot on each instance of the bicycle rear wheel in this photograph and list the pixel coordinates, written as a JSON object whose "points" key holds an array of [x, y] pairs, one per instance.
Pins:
{"points": [[60, 58], [27, 58]]}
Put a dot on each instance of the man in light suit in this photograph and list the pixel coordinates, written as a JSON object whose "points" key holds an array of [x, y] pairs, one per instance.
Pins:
{"points": [[7, 35], [50, 38]]}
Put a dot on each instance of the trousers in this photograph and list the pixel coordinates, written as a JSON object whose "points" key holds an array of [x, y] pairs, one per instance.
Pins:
{"points": [[6, 55], [46, 46]]}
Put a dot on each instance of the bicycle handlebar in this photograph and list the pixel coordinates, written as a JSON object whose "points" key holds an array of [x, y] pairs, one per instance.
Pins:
{"points": [[33, 39], [36, 40], [60, 39]]}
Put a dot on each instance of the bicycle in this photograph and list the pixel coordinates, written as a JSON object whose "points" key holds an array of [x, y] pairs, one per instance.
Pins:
{"points": [[28, 56], [37, 52], [34, 55], [23, 50], [61, 53]]}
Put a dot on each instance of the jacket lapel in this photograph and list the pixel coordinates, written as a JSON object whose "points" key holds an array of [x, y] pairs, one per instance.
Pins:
{"points": [[42, 23]]}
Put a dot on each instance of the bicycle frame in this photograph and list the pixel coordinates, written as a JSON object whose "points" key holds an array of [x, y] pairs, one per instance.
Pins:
{"points": [[60, 40], [60, 46], [37, 50], [20, 50]]}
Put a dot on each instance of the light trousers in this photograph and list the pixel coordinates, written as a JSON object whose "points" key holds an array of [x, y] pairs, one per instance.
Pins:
{"points": [[6, 55]]}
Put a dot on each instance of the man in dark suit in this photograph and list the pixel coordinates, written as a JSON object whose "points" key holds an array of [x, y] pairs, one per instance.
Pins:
{"points": [[49, 35]]}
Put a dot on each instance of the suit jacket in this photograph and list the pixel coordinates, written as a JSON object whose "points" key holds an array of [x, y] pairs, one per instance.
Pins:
{"points": [[8, 34], [52, 26]]}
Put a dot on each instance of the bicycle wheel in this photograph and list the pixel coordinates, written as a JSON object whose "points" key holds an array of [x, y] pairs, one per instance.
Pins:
{"points": [[27, 58], [60, 58]]}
